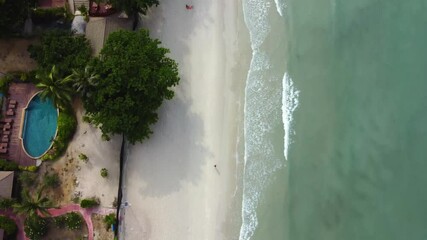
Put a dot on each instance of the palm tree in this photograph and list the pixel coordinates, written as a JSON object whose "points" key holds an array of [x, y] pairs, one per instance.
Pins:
{"points": [[32, 206], [82, 80], [54, 88]]}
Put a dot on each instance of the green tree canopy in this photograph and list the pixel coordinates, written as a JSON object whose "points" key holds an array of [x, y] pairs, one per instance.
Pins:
{"points": [[135, 78], [63, 49], [54, 88]]}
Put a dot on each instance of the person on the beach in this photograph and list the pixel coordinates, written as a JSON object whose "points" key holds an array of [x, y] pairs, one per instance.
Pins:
{"points": [[188, 7]]}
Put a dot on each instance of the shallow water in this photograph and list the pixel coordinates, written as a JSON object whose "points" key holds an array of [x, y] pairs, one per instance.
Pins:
{"points": [[356, 156]]}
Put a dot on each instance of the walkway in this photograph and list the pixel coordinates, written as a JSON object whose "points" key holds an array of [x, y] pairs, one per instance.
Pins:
{"points": [[86, 213], [21, 92]]}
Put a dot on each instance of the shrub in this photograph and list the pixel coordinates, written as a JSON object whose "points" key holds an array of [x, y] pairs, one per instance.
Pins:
{"points": [[83, 157], [6, 165], [27, 179], [67, 124], [29, 168], [8, 225], [4, 83], [6, 203], [109, 220], [104, 173], [89, 203], [59, 221], [51, 180], [83, 10], [73, 220], [47, 15], [35, 227]]}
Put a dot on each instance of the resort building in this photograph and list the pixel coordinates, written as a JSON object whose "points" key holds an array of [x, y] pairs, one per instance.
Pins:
{"points": [[98, 29]]}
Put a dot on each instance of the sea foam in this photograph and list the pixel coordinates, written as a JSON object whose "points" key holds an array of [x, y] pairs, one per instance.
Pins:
{"points": [[289, 105], [265, 96]]}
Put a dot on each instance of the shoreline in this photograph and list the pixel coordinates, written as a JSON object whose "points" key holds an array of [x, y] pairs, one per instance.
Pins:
{"points": [[172, 187]]}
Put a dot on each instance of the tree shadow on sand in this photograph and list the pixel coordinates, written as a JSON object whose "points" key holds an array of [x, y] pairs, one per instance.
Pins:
{"points": [[174, 154]]}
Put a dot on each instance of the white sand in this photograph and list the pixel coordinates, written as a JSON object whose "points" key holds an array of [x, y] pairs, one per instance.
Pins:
{"points": [[101, 154], [172, 187]]}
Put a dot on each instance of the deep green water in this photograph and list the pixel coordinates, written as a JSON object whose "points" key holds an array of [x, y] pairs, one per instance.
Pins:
{"points": [[357, 166]]}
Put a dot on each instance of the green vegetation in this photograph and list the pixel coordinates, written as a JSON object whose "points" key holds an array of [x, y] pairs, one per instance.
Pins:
{"points": [[47, 15], [104, 172], [89, 203], [6, 203], [135, 78], [73, 221], [4, 83], [59, 221], [133, 7], [6, 165], [54, 88], [29, 168], [109, 220], [63, 49], [83, 80], [67, 124], [83, 157], [35, 227], [30, 206], [12, 17], [27, 179], [8, 225], [51, 180], [84, 12]]}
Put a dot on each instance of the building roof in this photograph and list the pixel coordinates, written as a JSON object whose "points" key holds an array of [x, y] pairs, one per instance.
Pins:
{"points": [[6, 184], [98, 29]]}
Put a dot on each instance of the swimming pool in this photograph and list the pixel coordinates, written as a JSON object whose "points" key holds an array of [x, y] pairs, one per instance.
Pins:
{"points": [[39, 126]]}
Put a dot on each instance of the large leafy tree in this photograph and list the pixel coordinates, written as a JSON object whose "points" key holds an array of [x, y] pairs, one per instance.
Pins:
{"points": [[63, 49], [54, 88], [135, 78]]}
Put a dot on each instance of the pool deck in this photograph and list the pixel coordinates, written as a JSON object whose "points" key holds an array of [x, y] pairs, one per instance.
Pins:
{"points": [[21, 92]]}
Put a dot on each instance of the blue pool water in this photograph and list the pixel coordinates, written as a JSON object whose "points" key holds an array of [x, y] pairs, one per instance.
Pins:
{"points": [[40, 125]]}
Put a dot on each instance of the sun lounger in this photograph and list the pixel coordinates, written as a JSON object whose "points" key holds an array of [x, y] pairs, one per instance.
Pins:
{"points": [[5, 139], [12, 101], [6, 127], [6, 132], [3, 150], [3, 145], [10, 112], [12, 106], [8, 120]]}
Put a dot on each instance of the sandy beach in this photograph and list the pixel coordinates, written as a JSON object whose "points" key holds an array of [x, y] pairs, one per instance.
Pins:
{"points": [[172, 186]]}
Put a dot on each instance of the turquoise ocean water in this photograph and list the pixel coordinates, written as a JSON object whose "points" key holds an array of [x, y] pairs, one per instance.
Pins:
{"points": [[335, 120]]}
